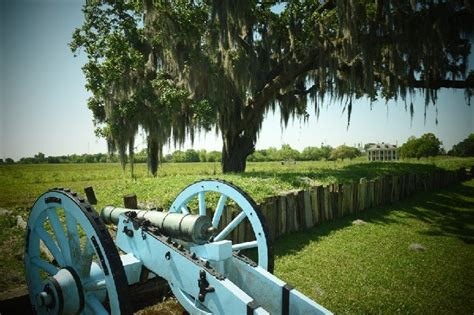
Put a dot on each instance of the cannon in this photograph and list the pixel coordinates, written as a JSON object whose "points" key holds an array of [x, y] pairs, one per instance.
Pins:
{"points": [[190, 246]]}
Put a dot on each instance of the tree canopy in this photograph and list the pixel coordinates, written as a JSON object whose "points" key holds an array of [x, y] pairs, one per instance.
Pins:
{"points": [[174, 67], [464, 148], [427, 145], [345, 152]]}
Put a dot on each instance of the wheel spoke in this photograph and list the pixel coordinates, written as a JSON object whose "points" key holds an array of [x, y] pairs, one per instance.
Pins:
{"points": [[94, 304], [50, 244], [245, 245], [232, 225], [219, 210], [202, 203], [94, 285], [73, 238], [184, 210], [86, 259], [44, 265], [60, 236]]}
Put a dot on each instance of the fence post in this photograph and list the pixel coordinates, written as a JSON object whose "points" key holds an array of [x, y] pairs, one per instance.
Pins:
{"points": [[300, 207], [130, 201], [291, 213], [308, 212], [282, 211], [315, 204], [355, 197], [327, 203]]}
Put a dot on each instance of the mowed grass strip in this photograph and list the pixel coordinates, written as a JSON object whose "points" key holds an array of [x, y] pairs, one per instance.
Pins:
{"points": [[370, 268], [20, 185]]}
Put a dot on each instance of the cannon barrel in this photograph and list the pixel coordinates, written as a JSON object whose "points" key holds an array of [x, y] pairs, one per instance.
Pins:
{"points": [[187, 227]]}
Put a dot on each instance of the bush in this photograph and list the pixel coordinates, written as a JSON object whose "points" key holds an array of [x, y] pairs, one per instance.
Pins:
{"points": [[426, 145], [344, 152], [464, 148]]}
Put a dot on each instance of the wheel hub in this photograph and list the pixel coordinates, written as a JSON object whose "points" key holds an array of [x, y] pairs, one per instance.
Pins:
{"points": [[62, 293]]}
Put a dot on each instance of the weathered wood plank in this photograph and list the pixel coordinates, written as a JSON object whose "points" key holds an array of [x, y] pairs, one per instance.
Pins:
{"points": [[307, 209], [300, 207], [314, 195], [326, 203], [291, 213], [283, 216]]}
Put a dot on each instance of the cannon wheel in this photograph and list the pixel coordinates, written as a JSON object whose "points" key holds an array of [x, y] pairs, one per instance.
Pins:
{"points": [[229, 193], [86, 274]]}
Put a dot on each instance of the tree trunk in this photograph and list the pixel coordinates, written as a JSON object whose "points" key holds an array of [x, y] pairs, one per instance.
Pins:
{"points": [[153, 158], [131, 145], [235, 151]]}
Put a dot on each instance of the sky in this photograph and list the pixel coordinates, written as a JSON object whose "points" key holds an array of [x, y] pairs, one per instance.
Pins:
{"points": [[43, 101]]}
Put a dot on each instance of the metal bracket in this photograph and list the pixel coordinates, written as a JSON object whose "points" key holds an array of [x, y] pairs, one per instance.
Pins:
{"points": [[204, 287]]}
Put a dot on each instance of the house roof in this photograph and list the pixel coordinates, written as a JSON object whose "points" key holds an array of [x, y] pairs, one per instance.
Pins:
{"points": [[382, 146]]}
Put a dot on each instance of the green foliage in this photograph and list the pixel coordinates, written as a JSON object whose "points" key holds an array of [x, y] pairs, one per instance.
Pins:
{"points": [[191, 155], [425, 146], [178, 156], [344, 152], [202, 155], [173, 67], [129, 89], [213, 156], [73, 158], [464, 148], [288, 153], [311, 154], [326, 151]]}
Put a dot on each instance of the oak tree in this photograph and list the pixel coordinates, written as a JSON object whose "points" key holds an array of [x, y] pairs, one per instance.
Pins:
{"points": [[174, 67]]}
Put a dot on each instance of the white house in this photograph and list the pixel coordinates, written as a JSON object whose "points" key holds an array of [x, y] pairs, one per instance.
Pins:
{"points": [[382, 152]]}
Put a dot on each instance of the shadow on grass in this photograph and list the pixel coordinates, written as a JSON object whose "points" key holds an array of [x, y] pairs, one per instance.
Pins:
{"points": [[449, 212], [344, 174]]}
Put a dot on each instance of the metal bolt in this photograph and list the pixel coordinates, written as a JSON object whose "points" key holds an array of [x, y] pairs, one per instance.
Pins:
{"points": [[127, 231], [44, 299]]}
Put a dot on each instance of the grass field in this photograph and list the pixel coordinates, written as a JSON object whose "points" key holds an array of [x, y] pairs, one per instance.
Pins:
{"points": [[352, 269], [20, 185], [369, 268]]}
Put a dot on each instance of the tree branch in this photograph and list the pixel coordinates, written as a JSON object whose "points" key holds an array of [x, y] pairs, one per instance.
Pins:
{"points": [[452, 84], [328, 5], [279, 81]]}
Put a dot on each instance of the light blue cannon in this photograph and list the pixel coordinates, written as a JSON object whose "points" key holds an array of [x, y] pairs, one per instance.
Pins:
{"points": [[74, 267]]}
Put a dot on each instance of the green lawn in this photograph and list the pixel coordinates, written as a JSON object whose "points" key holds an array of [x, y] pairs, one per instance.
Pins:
{"points": [[20, 185], [369, 268], [352, 269]]}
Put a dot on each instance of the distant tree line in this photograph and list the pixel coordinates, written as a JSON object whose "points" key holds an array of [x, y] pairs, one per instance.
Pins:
{"points": [[424, 146], [285, 153], [464, 148], [429, 145]]}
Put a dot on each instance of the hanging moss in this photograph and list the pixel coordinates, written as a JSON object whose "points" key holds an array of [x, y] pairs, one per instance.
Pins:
{"points": [[177, 67]]}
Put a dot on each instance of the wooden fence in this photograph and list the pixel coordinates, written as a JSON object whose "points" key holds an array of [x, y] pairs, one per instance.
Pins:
{"points": [[300, 210]]}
